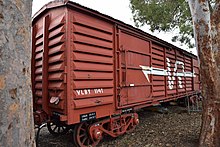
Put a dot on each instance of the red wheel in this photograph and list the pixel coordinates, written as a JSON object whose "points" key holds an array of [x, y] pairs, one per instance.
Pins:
{"points": [[57, 128], [82, 137]]}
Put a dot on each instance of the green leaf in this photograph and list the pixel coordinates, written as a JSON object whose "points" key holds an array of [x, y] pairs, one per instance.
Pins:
{"points": [[164, 15]]}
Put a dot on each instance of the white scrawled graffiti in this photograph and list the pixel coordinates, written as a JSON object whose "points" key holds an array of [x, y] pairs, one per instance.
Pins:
{"points": [[169, 73]]}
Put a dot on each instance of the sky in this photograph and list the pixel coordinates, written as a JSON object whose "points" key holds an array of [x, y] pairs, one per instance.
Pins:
{"points": [[118, 9]]}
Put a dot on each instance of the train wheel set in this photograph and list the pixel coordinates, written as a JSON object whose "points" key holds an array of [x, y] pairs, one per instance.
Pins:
{"points": [[56, 128], [82, 136], [90, 133]]}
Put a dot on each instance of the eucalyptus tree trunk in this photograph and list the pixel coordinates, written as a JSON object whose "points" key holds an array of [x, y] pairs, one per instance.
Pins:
{"points": [[207, 33], [16, 121]]}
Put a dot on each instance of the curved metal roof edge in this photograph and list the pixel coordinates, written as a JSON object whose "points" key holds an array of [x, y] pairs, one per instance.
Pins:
{"points": [[50, 5], [60, 3]]}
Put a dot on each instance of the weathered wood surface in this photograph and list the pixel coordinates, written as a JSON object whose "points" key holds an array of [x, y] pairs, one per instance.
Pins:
{"points": [[16, 121]]}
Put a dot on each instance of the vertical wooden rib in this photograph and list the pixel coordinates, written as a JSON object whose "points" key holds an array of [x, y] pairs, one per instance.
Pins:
{"points": [[115, 66], [165, 67], [69, 59], [192, 70], [119, 72], [45, 64], [184, 69], [151, 64], [176, 81]]}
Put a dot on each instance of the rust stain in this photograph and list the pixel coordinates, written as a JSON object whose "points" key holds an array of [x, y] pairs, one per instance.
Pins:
{"points": [[18, 3], [10, 126], [24, 71], [201, 1], [13, 108], [1, 16], [205, 10], [13, 93], [2, 82], [21, 31]]}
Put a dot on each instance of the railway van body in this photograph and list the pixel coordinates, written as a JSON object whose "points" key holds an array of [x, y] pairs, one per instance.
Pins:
{"points": [[92, 71]]}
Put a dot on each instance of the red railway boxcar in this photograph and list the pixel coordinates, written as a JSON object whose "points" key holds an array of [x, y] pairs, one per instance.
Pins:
{"points": [[92, 72]]}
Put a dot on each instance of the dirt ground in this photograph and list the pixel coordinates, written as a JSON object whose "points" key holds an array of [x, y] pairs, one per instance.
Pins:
{"points": [[177, 128]]}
